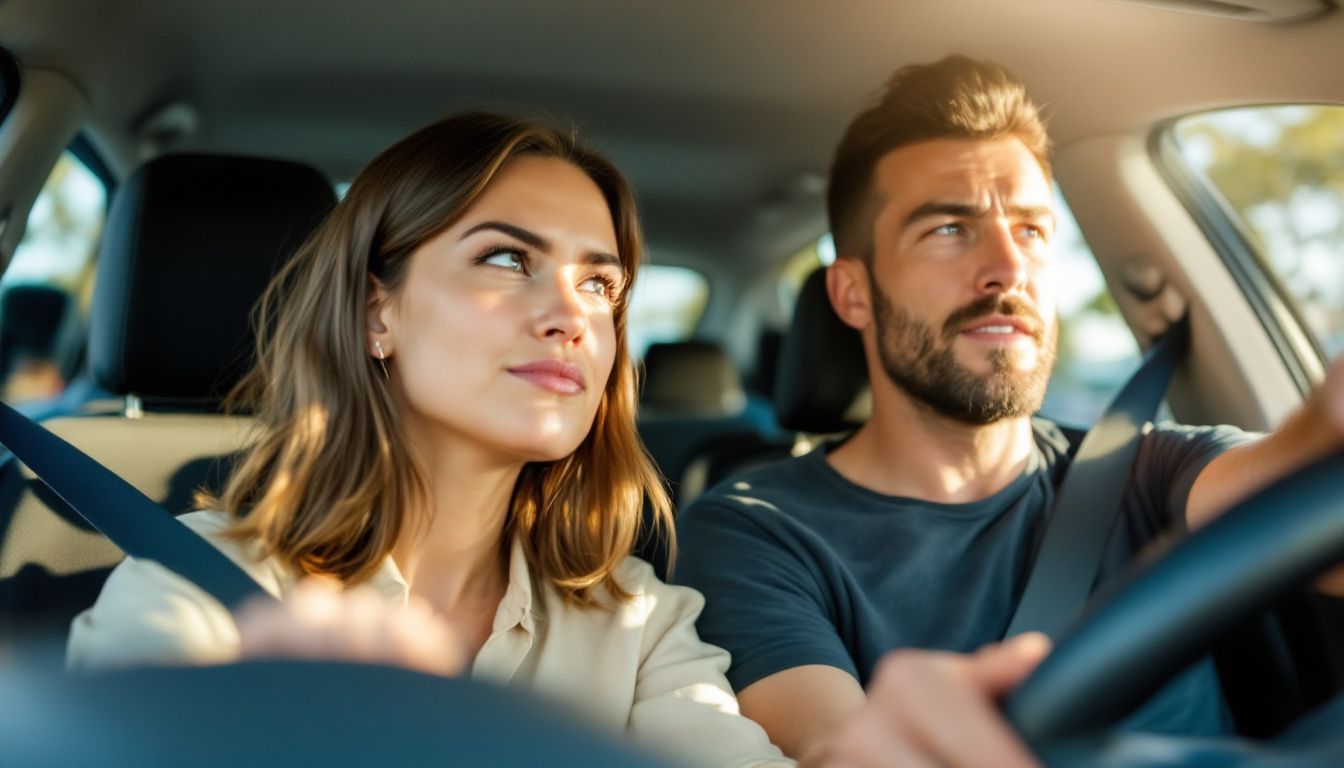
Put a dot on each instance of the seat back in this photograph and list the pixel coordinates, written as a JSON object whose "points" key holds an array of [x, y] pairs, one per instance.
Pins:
{"points": [[692, 392], [190, 245], [820, 388]]}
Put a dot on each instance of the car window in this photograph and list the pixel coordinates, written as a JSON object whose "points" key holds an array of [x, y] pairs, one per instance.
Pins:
{"points": [[1097, 351], [46, 290], [666, 305], [1278, 173]]}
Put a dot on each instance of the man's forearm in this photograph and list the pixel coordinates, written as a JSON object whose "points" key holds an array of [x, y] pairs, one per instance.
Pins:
{"points": [[1309, 433]]}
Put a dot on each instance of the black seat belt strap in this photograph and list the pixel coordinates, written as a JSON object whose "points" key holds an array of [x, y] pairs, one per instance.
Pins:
{"points": [[1089, 499], [130, 519]]}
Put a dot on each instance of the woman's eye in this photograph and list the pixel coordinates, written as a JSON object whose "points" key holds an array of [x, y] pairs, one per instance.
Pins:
{"points": [[599, 285], [511, 260]]}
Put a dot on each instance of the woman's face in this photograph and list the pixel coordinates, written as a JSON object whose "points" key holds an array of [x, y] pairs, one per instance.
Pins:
{"points": [[502, 334]]}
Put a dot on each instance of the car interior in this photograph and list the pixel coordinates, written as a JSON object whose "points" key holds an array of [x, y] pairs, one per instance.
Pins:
{"points": [[210, 138]]}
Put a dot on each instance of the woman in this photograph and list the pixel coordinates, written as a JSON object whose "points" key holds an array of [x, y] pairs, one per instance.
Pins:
{"points": [[447, 411]]}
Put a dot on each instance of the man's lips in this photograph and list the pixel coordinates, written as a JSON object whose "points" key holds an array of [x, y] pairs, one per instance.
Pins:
{"points": [[999, 327], [556, 376]]}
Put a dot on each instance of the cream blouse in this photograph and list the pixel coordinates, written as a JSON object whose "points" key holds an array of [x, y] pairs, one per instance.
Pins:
{"points": [[637, 669]]}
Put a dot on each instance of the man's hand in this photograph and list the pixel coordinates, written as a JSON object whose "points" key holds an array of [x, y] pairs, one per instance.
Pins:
{"points": [[1332, 394], [319, 620], [932, 709]]}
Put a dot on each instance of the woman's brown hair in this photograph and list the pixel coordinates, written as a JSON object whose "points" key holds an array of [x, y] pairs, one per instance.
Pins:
{"points": [[328, 487]]}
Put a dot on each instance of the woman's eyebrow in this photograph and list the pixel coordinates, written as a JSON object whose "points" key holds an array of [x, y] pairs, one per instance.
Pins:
{"points": [[602, 259], [596, 258], [531, 238]]}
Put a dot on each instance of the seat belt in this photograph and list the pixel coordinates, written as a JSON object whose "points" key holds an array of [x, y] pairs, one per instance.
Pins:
{"points": [[1089, 498], [131, 520]]}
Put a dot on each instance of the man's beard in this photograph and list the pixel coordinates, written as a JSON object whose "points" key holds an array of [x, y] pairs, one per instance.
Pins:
{"points": [[924, 364]]}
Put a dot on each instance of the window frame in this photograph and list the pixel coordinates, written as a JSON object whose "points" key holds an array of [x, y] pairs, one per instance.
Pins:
{"points": [[11, 80], [1301, 355]]}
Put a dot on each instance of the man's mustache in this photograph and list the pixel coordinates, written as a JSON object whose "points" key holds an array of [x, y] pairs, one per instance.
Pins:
{"points": [[1008, 306]]}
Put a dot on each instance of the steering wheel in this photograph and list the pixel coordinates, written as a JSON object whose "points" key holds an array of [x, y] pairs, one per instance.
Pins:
{"points": [[285, 713], [1167, 615]]}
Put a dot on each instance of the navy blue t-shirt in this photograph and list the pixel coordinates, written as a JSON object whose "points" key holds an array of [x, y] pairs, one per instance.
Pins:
{"points": [[800, 566]]}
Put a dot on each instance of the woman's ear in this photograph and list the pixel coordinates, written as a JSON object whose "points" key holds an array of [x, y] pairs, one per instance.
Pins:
{"points": [[377, 311], [848, 287]]}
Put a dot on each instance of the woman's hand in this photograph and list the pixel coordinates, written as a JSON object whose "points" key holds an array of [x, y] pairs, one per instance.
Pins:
{"points": [[320, 620]]}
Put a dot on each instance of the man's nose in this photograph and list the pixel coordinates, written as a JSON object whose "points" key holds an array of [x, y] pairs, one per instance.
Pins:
{"points": [[1002, 264]]}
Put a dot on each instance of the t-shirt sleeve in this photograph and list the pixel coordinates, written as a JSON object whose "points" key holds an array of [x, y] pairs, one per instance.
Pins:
{"points": [[1169, 460], [767, 599]]}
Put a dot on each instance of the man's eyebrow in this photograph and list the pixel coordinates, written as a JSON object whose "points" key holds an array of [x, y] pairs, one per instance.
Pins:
{"points": [[943, 208], [514, 231], [1032, 212], [964, 210]]}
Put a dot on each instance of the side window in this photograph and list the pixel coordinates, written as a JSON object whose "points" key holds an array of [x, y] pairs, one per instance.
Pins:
{"points": [[1278, 173], [45, 291], [1097, 351], [666, 305]]}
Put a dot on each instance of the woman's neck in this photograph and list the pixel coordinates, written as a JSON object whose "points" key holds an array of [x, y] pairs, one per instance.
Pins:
{"points": [[455, 555]]}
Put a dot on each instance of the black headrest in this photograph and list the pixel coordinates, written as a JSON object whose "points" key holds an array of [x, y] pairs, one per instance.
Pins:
{"points": [[691, 377], [821, 366], [190, 244]]}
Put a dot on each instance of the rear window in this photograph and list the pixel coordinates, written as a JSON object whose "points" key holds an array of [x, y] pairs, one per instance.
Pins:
{"points": [[666, 305], [46, 290], [1277, 172]]}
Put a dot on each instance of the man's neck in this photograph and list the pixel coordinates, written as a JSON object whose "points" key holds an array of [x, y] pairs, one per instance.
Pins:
{"points": [[907, 449]]}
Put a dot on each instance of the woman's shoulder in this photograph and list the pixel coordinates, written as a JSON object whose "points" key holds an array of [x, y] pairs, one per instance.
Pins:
{"points": [[213, 525], [207, 522], [650, 595]]}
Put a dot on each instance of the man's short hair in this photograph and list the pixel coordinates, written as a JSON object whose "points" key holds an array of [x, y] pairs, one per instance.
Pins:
{"points": [[955, 98]]}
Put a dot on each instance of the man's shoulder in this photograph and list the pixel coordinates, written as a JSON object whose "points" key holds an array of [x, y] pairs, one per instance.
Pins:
{"points": [[779, 485], [774, 501]]}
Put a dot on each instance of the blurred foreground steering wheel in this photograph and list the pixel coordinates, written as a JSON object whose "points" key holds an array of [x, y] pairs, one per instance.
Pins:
{"points": [[287, 713], [1169, 614]]}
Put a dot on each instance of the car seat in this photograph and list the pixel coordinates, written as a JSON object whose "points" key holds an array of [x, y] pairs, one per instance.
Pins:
{"points": [[820, 389], [190, 245]]}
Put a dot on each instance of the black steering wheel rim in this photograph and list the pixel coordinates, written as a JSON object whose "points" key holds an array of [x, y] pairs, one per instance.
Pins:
{"points": [[285, 713], [1168, 614]]}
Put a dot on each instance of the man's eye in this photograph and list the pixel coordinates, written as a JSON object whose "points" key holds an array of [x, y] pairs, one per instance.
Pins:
{"points": [[948, 229], [508, 259], [1033, 232]]}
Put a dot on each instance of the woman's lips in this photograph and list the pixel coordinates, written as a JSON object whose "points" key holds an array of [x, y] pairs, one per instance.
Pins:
{"points": [[555, 376]]}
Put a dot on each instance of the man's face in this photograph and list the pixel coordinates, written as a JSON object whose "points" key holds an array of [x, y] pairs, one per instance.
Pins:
{"points": [[961, 278]]}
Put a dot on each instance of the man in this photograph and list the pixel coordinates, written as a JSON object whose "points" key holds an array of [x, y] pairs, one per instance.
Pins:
{"points": [[917, 531]]}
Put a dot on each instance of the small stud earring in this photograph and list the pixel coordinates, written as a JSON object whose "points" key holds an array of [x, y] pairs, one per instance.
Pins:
{"points": [[378, 347]]}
